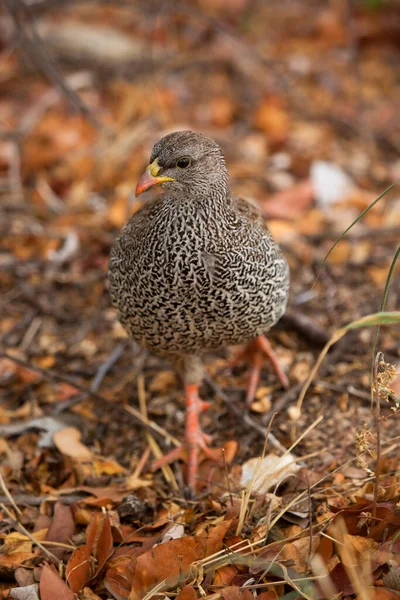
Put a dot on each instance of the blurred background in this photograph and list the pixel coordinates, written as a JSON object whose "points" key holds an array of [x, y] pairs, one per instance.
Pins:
{"points": [[303, 97]]}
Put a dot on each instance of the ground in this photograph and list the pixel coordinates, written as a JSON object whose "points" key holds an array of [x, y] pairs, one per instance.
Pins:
{"points": [[303, 98]]}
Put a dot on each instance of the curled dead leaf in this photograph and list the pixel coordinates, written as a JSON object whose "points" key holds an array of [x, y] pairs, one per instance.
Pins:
{"points": [[68, 442]]}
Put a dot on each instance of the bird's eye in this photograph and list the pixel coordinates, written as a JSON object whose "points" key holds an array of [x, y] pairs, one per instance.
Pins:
{"points": [[183, 163]]}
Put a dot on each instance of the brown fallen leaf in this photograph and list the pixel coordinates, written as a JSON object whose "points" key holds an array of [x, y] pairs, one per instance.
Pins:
{"points": [[362, 548], [99, 543], [68, 442], [52, 586], [187, 593], [234, 592], [170, 561], [224, 576], [299, 552], [15, 559], [62, 528]]}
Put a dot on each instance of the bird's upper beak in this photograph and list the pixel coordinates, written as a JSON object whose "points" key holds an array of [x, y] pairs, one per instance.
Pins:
{"points": [[149, 178]]}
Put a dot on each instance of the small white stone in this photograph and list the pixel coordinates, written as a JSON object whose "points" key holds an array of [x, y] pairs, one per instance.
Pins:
{"points": [[331, 184]]}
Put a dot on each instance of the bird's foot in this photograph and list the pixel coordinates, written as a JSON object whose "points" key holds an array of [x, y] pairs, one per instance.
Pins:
{"points": [[195, 439], [255, 353]]}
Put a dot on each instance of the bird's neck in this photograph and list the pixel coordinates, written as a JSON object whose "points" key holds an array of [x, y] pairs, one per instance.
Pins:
{"points": [[213, 200]]}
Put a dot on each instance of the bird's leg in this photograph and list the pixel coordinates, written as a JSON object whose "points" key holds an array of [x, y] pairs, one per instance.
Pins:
{"points": [[255, 352], [195, 438]]}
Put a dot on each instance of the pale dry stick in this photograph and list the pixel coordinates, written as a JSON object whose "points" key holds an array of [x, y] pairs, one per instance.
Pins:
{"points": [[48, 374], [219, 596], [291, 581], [245, 503], [335, 338], [349, 560], [155, 448], [221, 554], [293, 501], [58, 545], [375, 397], [152, 425], [329, 537], [142, 461], [318, 567], [29, 336], [10, 498], [21, 528], [14, 172], [216, 560], [271, 564], [228, 483], [157, 588], [310, 548]]}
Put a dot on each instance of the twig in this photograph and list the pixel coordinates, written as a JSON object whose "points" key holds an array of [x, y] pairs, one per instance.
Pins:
{"points": [[155, 448], [22, 529], [242, 415], [378, 359], [106, 366], [10, 498], [32, 45], [105, 401], [305, 326], [228, 483]]}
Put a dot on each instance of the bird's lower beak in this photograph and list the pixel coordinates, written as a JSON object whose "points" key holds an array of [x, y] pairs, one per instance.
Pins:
{"points": [[150, 178]]}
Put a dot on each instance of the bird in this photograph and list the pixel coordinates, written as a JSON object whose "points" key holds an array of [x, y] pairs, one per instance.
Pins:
{"points": [[196, 268]]}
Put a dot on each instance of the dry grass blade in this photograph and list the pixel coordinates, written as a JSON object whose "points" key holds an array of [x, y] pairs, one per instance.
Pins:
{"points": [[155, 448], [246, 499], [380, 318], [388, 189], [319, 569], [347, 555], [7, 493], [22, 529]]}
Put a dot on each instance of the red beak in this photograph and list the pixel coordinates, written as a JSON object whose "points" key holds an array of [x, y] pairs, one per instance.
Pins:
{"points": [[148, 180]]}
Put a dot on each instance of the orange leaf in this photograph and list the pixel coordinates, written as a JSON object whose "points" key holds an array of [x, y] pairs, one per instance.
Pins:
{"points": [[171, 561], [187, 593], [234, 592], [103, 546], [270, 595], [52, 586], [77, 571], [225, 575], [78, 568], [62, 528]]}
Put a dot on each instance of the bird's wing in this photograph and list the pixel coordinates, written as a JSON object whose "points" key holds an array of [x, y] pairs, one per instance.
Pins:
{"points": [[251, 211]]}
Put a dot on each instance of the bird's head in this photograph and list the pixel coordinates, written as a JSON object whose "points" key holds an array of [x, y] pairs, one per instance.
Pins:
{"points": [[185, 161]]}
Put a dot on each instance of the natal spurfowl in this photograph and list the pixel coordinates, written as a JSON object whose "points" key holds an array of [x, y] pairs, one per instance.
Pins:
{"points": [[197, 268]]}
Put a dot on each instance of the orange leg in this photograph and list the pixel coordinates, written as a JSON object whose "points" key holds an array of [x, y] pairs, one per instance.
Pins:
{"points": [[195, 438], [255, 352]]}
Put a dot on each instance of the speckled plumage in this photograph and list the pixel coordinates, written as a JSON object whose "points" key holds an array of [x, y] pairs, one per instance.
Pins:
{"points": [[196, 268]]}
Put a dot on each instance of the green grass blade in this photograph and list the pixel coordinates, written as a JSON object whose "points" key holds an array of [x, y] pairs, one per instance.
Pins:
{"points": [[379, 318], [389, 277], [360, 216], [383, 304]]}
